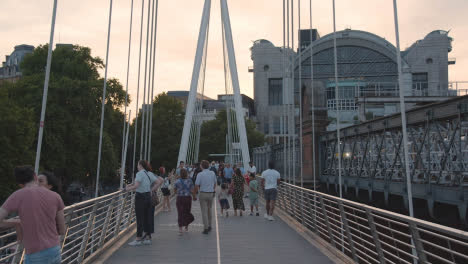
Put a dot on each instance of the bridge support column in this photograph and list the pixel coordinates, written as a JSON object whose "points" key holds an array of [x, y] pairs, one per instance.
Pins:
{"points": [[386, 194], [430, 206], [462, 206], [405, 201]]}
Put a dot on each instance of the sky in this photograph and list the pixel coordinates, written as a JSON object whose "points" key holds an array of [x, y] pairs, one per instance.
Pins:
{"points": [[85, 23]]}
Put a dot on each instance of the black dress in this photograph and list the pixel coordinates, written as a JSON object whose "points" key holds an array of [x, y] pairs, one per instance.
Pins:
{"points": [[238, 193]]}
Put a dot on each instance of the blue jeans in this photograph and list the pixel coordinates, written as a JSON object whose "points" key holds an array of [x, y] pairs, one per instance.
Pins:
{"points": [[47, 256]]}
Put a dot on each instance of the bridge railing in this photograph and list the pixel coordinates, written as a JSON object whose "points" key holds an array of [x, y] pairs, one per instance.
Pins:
{"points": [[90, 225], [371, 235]]}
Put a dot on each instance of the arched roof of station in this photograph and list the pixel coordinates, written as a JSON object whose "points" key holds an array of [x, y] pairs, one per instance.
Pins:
{"points": [[359, 38]]}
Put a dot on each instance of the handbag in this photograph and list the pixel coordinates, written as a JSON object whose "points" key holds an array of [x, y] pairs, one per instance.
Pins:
{"points": [[153, 194]]}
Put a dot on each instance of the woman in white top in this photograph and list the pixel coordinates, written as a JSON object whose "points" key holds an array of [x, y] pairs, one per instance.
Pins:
{"points": [[145, 183]]}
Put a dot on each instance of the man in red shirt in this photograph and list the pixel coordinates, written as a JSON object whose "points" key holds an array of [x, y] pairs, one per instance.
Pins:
{"points": [[41, 217]]}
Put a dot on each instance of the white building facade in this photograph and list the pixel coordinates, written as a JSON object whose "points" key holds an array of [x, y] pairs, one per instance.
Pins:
{"points": [[367, 73]]}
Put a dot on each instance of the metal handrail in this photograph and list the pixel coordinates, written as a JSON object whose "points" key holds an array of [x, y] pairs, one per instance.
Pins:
{"points": [[90, 225], [371, 235]]}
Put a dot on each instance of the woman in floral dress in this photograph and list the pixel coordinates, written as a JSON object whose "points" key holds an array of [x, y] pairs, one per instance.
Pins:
{"points": [[237, 186]]}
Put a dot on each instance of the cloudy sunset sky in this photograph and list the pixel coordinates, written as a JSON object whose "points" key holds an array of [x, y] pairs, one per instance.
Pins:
{"points": [[84, 23]]}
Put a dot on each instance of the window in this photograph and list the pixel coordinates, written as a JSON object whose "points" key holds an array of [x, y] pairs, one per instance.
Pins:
{"points": [[275, 91], [276, 125], [420, 83], [266, 126]]}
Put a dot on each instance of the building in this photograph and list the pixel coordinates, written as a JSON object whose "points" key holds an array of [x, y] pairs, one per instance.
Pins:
{"points": [[247, 104], [11, 67], [367, 72], [182, 96], [212, 107]]}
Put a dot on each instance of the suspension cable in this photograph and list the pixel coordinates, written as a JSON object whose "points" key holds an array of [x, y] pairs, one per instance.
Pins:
{"points": [[122, 171], [148, 106], [103, 101], [300, 93], [283, 117], [288, 119], [143, 120], [138, 92], [293, 97], [403, 112], [313, 92], [313, 104], [152, 85], [46, 89], [337, 102]]}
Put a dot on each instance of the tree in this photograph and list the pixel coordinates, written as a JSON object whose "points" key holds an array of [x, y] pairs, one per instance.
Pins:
{"points": [[17, 134], [71, 132], [213, 136], [168, 122]]}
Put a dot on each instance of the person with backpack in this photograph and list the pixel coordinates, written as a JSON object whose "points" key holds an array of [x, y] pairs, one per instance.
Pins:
{"points": [[185, 190], [165, 189], [145, 184]]}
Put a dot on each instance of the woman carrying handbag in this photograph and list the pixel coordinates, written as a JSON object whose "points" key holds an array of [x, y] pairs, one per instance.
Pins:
{"points": [[145, 186]]}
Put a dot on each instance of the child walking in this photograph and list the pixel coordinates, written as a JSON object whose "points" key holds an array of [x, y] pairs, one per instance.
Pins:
{"points": [[253, 195], [223, 199]]}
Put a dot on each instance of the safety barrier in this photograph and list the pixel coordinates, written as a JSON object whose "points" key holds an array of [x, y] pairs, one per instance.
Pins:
{"points": [[91, 225], [371, 235]]}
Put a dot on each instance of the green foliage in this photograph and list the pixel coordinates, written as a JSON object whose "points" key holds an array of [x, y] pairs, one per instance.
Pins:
{"points": [[71, 132], [213, 136], [168, 122], [17, 135]]}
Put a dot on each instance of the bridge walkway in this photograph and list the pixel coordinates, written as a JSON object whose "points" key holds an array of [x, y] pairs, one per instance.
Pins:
{"points": [[246, 239]]}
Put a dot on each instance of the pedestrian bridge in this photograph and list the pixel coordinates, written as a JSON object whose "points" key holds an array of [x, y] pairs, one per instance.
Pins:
{"points": [[310, 227]]}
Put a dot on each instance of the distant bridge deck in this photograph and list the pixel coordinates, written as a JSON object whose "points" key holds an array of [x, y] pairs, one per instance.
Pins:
{"points": [[246, 239]]}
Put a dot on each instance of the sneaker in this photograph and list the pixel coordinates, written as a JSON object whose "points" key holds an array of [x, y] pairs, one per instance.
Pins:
{"points": [[271, 218], [147, 242], [135, 243], [205, 232], [209, 229], [266, 216], [227, 214], [251, 214], [257, 214]]}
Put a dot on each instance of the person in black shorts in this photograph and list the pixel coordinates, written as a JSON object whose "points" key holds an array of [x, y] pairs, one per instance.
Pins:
{"points": [[270, 180], [165, 189]]}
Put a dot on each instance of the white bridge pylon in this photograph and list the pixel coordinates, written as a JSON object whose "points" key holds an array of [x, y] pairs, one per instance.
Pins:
{"points": [[189, 145]]}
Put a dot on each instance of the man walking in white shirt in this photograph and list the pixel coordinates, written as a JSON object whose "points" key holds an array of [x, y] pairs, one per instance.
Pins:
{"points": [[206, 183], [252, 169], [270, 181]]}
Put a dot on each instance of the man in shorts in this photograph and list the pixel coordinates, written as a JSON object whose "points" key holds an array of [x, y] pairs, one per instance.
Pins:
{"points": [[270, 181]]}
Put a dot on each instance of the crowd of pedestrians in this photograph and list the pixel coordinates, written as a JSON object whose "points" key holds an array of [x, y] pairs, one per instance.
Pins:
{"points": [[40, 210]]}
